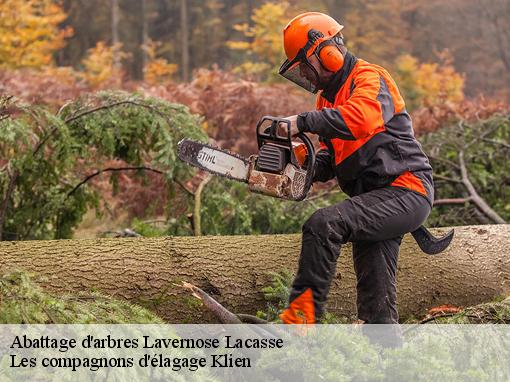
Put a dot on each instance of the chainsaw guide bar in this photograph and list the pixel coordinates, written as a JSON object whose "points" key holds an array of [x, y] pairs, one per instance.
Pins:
{"points": [[214, 160]]}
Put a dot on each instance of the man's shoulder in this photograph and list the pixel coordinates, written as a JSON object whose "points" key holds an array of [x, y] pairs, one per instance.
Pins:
{"points": [[365, 68]]}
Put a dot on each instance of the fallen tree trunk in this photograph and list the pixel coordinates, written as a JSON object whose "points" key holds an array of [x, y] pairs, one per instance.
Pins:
{"points": [[234, 269]]}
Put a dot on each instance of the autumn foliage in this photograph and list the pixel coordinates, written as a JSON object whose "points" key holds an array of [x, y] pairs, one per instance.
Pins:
{"points": [[157, 70], [429, 84], [49, 86], [264, 46], [102, 65], [30, 32], [433, 117]]}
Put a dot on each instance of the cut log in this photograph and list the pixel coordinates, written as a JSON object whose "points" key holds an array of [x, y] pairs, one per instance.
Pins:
{"points": [[234, 269]]}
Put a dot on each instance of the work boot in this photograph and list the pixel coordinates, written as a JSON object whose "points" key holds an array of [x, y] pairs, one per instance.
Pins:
{"points": [[301, 310]]}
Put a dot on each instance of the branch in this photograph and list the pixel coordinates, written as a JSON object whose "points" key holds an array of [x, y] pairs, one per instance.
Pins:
{"points": [[119, 103], [481, 216], [474, 196], [453, 164], [155, 221], [197, 226], [437, 176], [220, 312], [442, 202], [73, 118], [93, 110], [110, 169], [63, 107], [186, 189], [433, 318], [126, 232], [251, 319], [5, 201], [482, 136], [43, 141], [497, 142]]}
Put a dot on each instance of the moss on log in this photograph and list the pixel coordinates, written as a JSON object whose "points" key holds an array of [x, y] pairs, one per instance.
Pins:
{"points": [[234, 269]]}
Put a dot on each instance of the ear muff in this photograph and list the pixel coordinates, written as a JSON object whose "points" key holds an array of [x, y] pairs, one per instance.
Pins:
{"points": [[330, 55]]}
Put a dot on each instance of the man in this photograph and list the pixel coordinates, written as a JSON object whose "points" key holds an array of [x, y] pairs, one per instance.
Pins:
{"points": [[367, 143]]}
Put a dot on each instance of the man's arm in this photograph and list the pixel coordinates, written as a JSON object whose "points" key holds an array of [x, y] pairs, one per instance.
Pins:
{"points": [[369, 107], [323, 169]]}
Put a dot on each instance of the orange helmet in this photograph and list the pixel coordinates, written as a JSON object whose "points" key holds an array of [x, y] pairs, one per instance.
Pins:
{"points": [[295, 34], [306, 34]]}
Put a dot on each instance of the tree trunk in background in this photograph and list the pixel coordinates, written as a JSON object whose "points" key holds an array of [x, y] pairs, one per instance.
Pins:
{"points": [[115, 28], [234, 269], [145, 33], [184, 41], [249, 12], [337, 9]]}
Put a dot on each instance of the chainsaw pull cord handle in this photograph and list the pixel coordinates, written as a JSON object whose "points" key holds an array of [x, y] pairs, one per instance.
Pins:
{"points": [[310, 165]]}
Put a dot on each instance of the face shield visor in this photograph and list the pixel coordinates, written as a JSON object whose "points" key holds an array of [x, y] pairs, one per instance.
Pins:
{"points": [[301, 72]]}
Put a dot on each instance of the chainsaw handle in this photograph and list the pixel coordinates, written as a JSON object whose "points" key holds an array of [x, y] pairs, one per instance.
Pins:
{"points": [[311, 164], [271, 132]]}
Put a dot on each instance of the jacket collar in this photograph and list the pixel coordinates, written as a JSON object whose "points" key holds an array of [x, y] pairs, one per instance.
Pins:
{"points": [[339, 78]]}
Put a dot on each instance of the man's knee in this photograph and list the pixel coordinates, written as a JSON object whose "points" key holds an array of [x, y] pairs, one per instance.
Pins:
{"points": [[326, 224], [317, 222]]}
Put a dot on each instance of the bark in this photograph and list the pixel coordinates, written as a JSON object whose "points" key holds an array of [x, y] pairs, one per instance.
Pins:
{"points": [[234, 269]]}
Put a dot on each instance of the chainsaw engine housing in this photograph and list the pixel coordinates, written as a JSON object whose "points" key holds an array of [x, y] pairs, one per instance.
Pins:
{"points": [[290, 184], [276, 170], [272, 158]]}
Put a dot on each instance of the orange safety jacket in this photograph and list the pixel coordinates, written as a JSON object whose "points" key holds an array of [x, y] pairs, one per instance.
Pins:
{"points": [[366, 134]]}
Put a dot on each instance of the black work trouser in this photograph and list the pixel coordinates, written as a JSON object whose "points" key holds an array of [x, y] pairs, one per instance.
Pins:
{"points": [[375, 222]]}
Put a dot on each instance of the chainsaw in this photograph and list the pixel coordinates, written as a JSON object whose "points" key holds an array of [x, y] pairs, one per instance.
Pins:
{"points": [[282, 168]]}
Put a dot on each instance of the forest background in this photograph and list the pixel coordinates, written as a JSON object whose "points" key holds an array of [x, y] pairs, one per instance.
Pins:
{"points": [[92, 96]]}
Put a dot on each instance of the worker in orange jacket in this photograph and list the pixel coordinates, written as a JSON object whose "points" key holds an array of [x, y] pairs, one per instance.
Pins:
{"points": [[367, 143]]}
